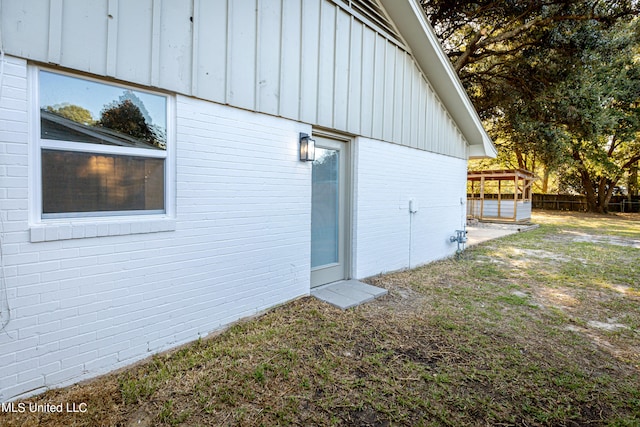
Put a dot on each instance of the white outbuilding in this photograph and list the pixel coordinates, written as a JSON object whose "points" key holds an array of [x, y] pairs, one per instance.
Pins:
{"points": [[151, 183]]}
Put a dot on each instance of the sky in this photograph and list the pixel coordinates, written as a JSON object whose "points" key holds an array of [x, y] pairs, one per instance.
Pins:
{"points": [[59, 89]]}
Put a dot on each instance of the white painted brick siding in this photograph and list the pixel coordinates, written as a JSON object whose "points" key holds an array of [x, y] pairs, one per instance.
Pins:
{"points": [[89, 296], [238, 245], [388, 237]]}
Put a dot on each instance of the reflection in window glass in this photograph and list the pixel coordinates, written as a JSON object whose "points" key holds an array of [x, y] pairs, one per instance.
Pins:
{"points": [[80, 110], [85, 182], [125, 173]]}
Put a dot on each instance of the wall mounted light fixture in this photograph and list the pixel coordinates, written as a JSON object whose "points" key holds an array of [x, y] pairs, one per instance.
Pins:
{"points": [[307, 148]]}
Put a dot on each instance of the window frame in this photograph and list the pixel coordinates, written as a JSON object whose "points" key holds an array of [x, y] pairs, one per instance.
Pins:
{"points": [[38, 144]]}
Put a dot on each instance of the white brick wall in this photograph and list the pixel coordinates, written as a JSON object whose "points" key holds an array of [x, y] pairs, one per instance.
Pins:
{"points": [[88, 297], [388, 237], [85, 305]]}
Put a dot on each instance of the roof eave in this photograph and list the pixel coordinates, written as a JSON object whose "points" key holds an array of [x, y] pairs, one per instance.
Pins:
{"points": [[417, 32]]}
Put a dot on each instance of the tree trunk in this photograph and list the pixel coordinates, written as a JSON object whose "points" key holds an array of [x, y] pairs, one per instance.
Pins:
{"points": [[592, 203], [521, 162], [592, 198], [633, 181], [545, 180], [602, 194], [607, 197]]}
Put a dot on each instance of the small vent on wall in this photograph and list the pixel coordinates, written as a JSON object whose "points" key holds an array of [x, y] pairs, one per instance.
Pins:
{"points": [[374, 13]]}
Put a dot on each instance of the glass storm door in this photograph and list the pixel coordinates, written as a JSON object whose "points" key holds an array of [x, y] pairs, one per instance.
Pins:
{"points": [[328, 212]]}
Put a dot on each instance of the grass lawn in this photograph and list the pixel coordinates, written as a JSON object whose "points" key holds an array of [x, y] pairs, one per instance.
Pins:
{"points": [[538, 328]]}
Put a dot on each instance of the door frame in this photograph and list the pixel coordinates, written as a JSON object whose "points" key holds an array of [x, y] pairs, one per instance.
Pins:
{"points": [[347, 199]]}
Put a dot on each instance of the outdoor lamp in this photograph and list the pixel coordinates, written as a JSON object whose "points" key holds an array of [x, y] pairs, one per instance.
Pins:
{"points": [[307, 148]]}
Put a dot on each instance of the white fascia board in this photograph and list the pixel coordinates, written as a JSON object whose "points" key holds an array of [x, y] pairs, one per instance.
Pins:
{"points": [[425, 47], [483, 151]]}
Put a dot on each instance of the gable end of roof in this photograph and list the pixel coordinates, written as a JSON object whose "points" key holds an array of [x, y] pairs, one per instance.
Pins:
{"points": [[415, 29]]}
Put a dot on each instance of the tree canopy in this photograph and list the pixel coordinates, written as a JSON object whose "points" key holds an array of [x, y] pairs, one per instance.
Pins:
{"points": [[556, 83], [72, 112], [129, 116]]}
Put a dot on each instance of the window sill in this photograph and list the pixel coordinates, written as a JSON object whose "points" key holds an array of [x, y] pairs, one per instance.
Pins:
{"points": [[83, 229]]}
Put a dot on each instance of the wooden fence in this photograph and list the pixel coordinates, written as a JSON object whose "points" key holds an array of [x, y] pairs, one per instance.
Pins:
{"points": [[562, 202]]}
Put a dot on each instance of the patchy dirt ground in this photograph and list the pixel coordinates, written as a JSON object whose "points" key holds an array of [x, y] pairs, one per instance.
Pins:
{"points": [[587, 267]]}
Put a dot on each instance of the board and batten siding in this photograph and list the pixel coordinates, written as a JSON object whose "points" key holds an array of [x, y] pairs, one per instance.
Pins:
{"points": [[308, 60]]}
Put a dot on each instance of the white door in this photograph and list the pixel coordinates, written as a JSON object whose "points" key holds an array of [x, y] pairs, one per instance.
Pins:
{"points": [[329, 212]]}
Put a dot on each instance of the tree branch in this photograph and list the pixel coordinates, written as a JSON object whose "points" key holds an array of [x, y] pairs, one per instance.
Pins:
{"points": [[631, 161], [613, 146], [477, 42], [462, 60]]}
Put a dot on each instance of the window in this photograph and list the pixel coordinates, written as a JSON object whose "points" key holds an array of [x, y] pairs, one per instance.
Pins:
{"points": [[102, 148]]}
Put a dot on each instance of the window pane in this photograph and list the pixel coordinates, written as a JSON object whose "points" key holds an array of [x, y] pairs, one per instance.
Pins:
{"points": [[80, 110], [86, 182], [325, 190]]}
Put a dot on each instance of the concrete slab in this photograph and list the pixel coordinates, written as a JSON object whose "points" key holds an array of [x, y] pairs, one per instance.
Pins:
{"points": [[347, 293], [478, 235], [488, 231]]}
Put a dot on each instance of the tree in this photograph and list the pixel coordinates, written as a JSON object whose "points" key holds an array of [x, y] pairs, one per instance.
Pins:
{"points": [[585, 122], [475, 30], [526, 67], [600, 106], [594, 111], [73, 112], [125, 116]]}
